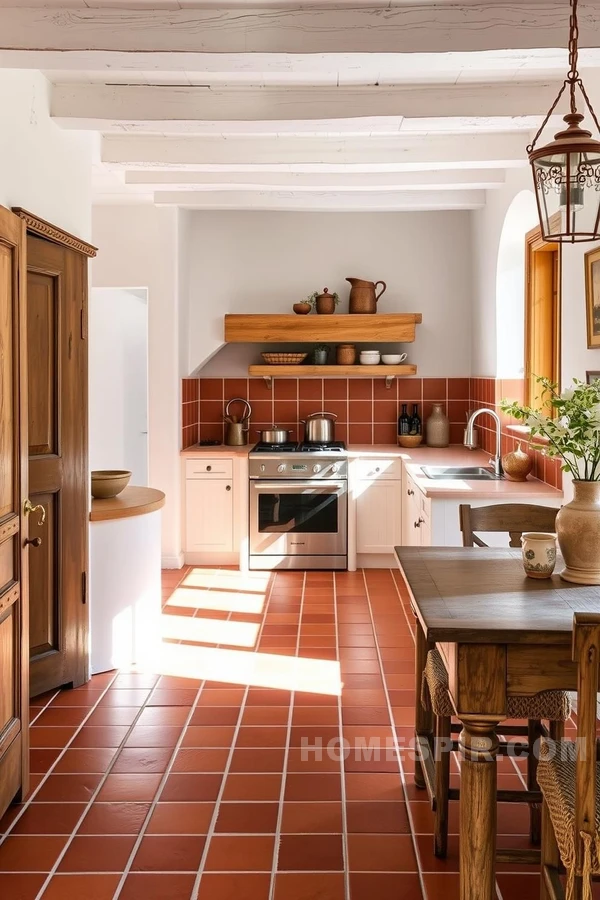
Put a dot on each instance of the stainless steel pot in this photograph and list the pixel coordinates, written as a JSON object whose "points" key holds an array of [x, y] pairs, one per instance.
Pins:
{"points": [[274, 435], [319, 428]]}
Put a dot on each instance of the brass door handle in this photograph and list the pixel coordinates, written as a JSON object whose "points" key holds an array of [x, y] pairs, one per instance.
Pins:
{"points": [[29, 508], [33, 542]]}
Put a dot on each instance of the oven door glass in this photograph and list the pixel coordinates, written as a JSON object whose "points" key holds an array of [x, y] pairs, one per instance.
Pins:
{"points": [[295, 518]]}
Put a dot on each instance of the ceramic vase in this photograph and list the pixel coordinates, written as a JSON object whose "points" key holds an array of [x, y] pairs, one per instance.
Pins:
{"points": [[578, 530], [539, 554], [518, 464], [437, 428]]}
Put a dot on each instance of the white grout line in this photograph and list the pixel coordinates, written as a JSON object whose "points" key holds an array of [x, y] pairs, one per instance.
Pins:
{"points": [[395, 735], [342, 768], [215, 815], [42, 709], [285, 758]]}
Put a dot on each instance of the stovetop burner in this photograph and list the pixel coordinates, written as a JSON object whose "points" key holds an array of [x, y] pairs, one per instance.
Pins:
{"points": [[304, 447]]}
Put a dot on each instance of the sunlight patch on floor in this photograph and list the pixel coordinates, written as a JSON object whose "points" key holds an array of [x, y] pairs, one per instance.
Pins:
{"points": [[318, 676], [225, 579], [223, 600], [210, 631]]}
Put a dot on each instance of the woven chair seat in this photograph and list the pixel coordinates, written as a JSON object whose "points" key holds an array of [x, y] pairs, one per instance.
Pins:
{"points": [[552, 705], [556, 778]]}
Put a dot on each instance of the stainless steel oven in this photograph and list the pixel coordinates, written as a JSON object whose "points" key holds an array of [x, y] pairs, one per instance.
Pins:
{"points": [[298, 513]]}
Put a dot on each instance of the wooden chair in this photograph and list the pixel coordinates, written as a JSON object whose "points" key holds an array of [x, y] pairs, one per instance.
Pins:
{"points": [[569, 776], [553, 706]]}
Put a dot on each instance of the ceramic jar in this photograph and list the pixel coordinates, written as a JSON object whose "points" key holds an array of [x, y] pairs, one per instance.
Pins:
{"points": [[518, 464], [437, 427], [539, 553], [578, 530], [346, 354]]}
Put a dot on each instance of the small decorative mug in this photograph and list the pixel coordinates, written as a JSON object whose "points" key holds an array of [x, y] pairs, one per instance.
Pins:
{"points": [[539, 553]]}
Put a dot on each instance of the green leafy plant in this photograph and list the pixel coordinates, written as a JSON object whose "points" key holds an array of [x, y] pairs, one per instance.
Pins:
{"points": [[324, 348], [571, 426]]}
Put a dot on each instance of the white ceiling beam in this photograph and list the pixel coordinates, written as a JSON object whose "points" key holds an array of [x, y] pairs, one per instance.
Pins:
{"points": [[478, 179], [324, 201], [109, 107], [384, 153], [405, 29]]}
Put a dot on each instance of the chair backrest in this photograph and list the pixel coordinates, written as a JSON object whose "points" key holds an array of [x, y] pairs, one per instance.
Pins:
{"points": [[512, 518], [586, 653]]}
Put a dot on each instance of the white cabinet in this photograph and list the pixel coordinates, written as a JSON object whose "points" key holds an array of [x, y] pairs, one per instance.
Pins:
{"points": [[416, 518], [378, 516], [209, 515]]}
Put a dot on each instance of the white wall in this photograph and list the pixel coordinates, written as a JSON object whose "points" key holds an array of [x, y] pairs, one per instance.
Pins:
{"points": [[118, 378], [43, 169], [139, 247], [266, 261]]}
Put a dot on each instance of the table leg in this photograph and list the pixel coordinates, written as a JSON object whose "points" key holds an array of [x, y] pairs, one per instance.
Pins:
{"points": [[478, 813], [423, 717]]}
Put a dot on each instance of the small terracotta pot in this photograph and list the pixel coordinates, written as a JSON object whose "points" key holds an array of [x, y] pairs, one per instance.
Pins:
{"points": [[518, 464], [301, 309], [578, 530]]}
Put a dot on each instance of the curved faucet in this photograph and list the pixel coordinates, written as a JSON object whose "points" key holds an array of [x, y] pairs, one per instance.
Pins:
{"points": [[496, 460]]}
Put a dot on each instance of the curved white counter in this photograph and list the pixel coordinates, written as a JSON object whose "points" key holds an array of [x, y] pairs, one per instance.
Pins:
{"points": [[125, 580]]}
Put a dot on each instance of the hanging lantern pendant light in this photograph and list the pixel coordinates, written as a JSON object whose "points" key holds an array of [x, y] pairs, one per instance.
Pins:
{"points": [[566, 172]]}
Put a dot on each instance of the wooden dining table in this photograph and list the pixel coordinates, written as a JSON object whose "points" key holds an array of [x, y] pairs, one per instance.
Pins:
{"points": [[500, 634]]}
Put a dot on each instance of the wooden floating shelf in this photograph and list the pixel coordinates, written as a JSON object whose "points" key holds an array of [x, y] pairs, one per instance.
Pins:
{"points": [[277, 329], [331, 371], [381, 371]]}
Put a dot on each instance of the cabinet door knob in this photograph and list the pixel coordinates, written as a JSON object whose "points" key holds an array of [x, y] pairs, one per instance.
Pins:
{"points": [[410, 492], [228, 487], [209, 468]]}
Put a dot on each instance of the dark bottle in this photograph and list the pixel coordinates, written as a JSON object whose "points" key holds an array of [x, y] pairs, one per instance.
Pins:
{"points": [[415, 421], [404, 421]]}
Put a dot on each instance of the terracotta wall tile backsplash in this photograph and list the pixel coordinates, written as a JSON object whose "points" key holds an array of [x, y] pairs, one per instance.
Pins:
{"points": [[367, 412]]}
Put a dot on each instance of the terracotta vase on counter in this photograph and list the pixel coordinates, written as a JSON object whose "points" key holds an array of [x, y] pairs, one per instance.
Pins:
{"points": [[437, 428], [578, 530], [518, 464]]}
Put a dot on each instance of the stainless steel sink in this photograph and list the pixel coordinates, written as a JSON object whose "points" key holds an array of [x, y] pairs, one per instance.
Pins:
{"points": [[468, 473]]}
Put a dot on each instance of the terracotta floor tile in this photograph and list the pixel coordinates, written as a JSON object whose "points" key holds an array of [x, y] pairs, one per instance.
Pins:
{"points": [[90, 887], [114, 818], [50, 737], [49, 818], [247, 853], [112, 715], [215, 715], [181, 818], [203, 736], [444, 887], [313, 786], [97, 853], [265, 715], [68, 788], [129, 788], [320, 735], [261, 736], [253, 787], [141, 886], [135, 680], [42, 760], [266, 760], [83, 760], [128, 697], [190, 759], [312, 818], [163, 715], [181, 697], [78, 697], [231, 697], [365, 715], [314, 715], [30, 854], [381, 853], [308, 885], [186, 787], [322, 760], [377, 818], [237, 818], [312, 852], [385, 886], [134, 760], [154, 736], [164, 853], [234, 887], [100, 736], [20, 886]]}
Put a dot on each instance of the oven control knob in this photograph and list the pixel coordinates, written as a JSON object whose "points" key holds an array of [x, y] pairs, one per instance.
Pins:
{"points": [[281, 467], [335, 468], [317, 468], [263, 468]]}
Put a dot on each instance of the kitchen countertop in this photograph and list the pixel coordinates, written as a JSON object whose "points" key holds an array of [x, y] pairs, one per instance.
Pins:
{"points": [[455, 455]]}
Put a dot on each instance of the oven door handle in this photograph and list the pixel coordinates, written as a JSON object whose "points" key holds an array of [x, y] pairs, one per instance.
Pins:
{"points": [[286, 487]]}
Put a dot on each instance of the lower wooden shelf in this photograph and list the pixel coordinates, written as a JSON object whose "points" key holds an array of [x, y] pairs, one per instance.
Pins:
{"points": [[380, 371]]}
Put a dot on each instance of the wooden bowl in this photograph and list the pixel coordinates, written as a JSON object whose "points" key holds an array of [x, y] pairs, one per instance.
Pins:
{"points": [[410, 440], [107, 483]]}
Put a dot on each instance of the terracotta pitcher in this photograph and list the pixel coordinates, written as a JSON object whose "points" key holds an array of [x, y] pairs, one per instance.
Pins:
{"points": [[363, 296]]}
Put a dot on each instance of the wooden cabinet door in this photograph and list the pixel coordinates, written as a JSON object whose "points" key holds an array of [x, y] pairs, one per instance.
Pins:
{"points": [[14, 644], [378, 516], [58, 467], [208, 515]]}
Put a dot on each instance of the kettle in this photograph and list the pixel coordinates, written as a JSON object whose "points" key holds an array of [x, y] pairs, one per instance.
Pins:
{"points": [[364, 296], [236, 433]]}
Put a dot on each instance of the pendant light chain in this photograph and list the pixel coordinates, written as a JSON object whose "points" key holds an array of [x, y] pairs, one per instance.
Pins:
{"points": [[573, 74]]}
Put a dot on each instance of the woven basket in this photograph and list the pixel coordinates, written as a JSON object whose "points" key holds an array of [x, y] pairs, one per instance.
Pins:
{"points": [[284, 359]]}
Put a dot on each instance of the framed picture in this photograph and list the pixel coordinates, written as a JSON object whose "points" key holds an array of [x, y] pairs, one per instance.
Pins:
{"points": [[590, 377], [592, 297]]}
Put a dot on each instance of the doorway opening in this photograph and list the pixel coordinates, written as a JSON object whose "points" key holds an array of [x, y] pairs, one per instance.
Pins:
{"points": [[118, 344], [542, 314]]}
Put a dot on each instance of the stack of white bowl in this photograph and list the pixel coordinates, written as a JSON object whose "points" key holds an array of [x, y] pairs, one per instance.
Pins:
{"points": [[370, 357]]}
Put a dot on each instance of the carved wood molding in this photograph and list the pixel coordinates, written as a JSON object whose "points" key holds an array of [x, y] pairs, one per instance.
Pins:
{"points": [[44, 229]]}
